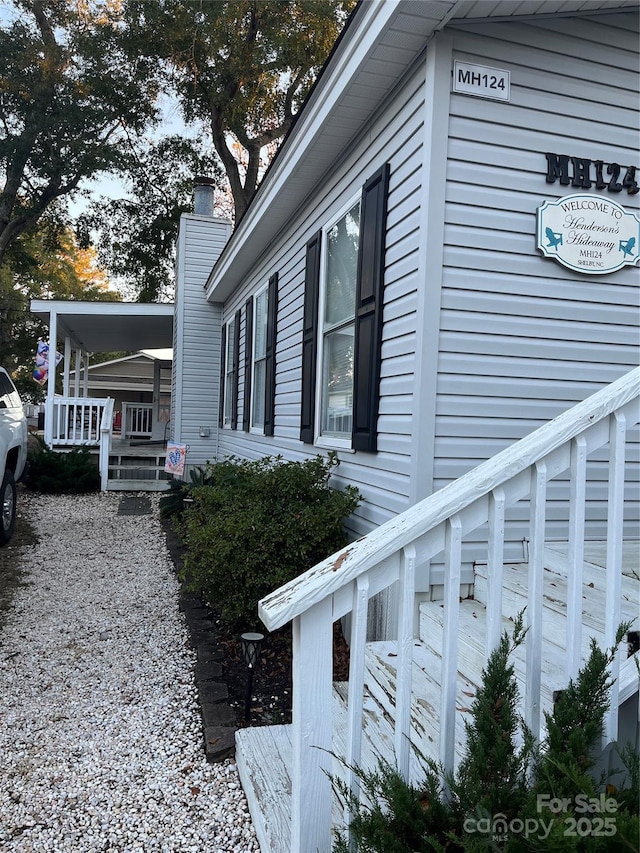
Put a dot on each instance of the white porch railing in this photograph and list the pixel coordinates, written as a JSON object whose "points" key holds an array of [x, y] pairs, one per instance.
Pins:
{"points": [[137, 420], [76, 421], [436, 526], [106, 429]]}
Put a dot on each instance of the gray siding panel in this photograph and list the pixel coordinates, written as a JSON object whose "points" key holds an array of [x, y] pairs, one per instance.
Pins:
{"points": [[197, 338], [521, 337], [383, 478]]}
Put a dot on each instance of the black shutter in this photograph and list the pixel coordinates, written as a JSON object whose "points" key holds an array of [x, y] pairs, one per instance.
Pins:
{"points": [[235, 371], [369, 302], [310, 339], [223, 355], [248, 347], [270, 360]]}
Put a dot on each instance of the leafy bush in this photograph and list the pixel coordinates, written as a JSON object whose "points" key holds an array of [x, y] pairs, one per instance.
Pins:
{"points": [[500, 786], [256, 525], [69, 473]]}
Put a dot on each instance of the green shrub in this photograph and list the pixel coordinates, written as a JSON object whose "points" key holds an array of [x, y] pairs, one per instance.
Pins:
{"points": [[69, 473], [502, 787], [256, 525]]}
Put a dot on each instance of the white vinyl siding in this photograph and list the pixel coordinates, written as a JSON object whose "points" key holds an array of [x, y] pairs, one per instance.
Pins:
{"points": [[521, 338], [383, 478], [196, 363]]}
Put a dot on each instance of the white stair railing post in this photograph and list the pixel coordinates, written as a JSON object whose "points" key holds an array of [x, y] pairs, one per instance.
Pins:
{"points": [[615, 521], [495, 569], [449, 674], [575, 569], [312, 729], [534, 598], [105, 427], [357, 645], [406, 595]]}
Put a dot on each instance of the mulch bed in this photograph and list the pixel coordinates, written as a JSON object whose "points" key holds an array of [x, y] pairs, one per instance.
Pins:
{"points": [[272, 683]]}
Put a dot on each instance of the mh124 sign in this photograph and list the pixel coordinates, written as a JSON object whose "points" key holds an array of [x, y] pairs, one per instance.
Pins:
{"points": [[483, 82], [588, 233]]}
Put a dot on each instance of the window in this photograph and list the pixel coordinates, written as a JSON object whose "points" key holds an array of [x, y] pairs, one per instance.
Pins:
{"points": [[9, 398], [261, 314], [259, 359], [229, 375], [338, 297], [342, 323]]}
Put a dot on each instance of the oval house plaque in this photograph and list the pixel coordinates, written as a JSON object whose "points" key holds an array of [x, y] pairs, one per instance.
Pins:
{"points": [[588, 233]]}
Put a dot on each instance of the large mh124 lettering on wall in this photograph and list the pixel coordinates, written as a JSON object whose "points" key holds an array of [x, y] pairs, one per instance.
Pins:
{"points": [[583, 173]]}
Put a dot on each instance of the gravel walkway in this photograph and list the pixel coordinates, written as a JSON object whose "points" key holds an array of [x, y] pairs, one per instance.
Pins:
{"points": [[100, 735]]}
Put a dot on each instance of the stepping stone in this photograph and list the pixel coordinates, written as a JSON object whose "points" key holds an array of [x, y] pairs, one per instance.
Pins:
{"points": [[130, 505]]}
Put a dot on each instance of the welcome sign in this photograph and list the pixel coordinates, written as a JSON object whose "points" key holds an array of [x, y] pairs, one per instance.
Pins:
{"points": [[588, 233]]}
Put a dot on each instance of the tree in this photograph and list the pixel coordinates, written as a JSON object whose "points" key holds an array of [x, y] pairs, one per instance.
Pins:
{"points": [[46, 264], [70, 92], [137, 234], [241, 66]]}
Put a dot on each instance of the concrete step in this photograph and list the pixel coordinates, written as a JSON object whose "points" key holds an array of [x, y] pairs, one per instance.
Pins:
{"points": [[134, 485]]}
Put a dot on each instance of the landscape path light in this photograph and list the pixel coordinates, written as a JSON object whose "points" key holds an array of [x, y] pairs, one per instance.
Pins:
{"points": [[251, 643]]}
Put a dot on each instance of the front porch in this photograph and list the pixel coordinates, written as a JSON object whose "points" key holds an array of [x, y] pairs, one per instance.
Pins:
{"points": [[131, 443]]}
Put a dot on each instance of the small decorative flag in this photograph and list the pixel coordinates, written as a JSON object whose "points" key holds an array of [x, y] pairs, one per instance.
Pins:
{"points": [[176, 454], [41, 371]]}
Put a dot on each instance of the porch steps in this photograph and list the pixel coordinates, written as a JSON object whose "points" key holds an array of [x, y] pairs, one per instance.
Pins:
{"points": [[134, 485], [138, 470], [264, 755]]}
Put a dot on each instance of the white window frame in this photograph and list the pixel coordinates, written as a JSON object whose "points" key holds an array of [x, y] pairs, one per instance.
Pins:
{"points": [[256, 427], [228, 372], [332, 441]]}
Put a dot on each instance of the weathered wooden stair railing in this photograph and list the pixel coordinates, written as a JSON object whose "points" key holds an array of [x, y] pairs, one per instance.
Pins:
{"points": [[345, 582]]}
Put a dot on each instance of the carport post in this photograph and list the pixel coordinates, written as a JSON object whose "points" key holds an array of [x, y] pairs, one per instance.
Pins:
{"points": [[66, 366], [51, 378], [76, 375]]}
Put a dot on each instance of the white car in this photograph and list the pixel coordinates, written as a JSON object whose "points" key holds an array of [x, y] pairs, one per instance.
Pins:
{"points": [[13, 452]]}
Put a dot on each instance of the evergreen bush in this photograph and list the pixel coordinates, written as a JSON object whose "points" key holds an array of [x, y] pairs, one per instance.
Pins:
{"points": [[69, 473], [255, 525], [507, 797]]}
